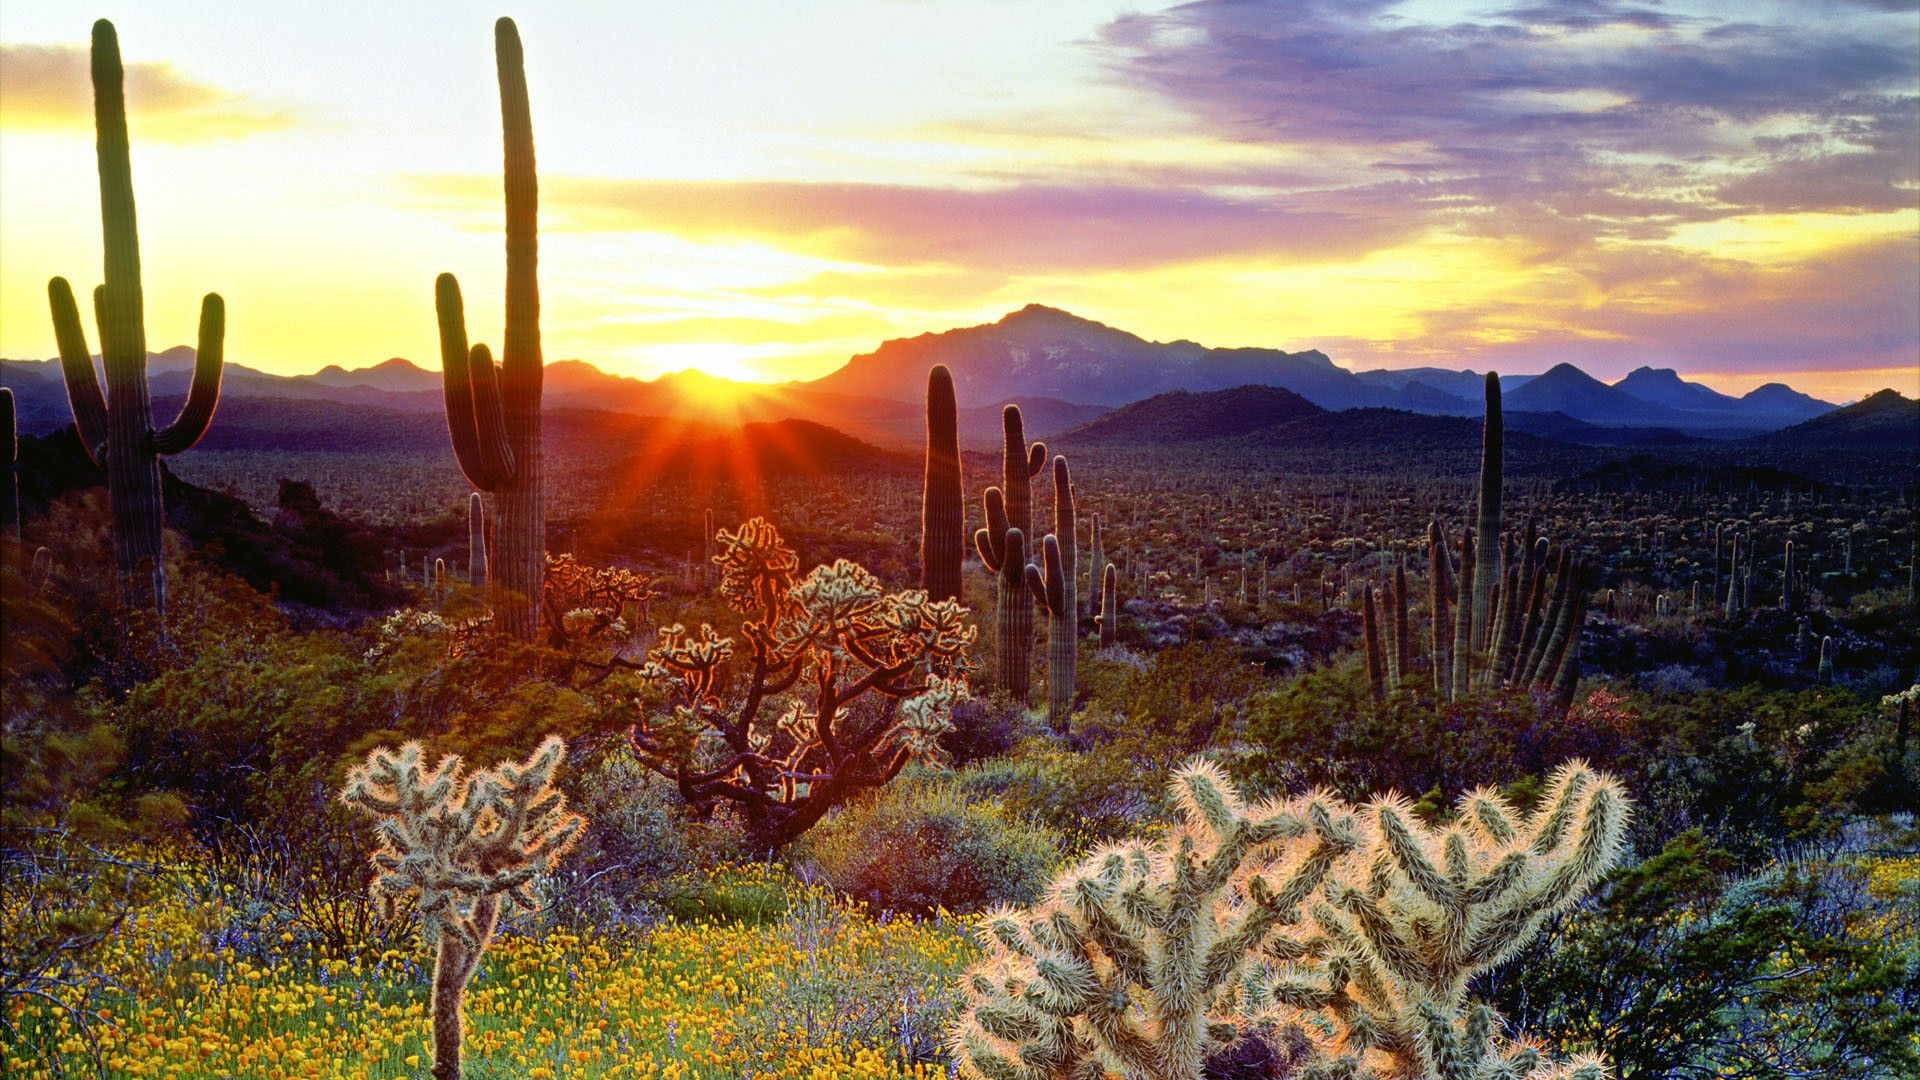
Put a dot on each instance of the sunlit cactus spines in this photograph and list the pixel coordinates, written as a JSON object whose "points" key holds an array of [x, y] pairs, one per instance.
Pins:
{"points": [[493, 414], [942, 503], [476, 541], [461, 845], [116, 428], [1003, 551], [1055, 588], [845, 684], [9, 482], [1109, 605], [1135, 963]]}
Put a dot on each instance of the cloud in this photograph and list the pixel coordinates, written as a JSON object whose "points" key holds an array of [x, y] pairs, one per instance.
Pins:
{"points": [[50, 87], [1583, 108], [1009, 229]]}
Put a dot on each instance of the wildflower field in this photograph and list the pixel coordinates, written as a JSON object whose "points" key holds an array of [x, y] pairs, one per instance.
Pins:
{"points": [[816, 987]]}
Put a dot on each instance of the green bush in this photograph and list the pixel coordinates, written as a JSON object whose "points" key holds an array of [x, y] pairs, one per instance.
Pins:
{"points": [[925, 843]]}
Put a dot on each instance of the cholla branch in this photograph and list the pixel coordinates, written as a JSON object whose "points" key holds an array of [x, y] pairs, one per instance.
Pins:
{"points": [[1353, 930], [843, 684], [459, 844]]}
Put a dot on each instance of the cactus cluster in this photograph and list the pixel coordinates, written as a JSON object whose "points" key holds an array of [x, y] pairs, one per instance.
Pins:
{"points": [[459, 845], [1516, 603], [116, 428], [1349, 931], [1003, 546], [493, 414]]}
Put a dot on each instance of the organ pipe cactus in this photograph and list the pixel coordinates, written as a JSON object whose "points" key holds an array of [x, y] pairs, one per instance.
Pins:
{"points": [[460, 846], [1055, 587], [1439, 588], [1486, 577], [1109, 605], [1463, 617], [476, 541], [9, 483], [493, 414], [1402, 629], [116, 428], [1353, 931], [1376, 656], [942, 504]]}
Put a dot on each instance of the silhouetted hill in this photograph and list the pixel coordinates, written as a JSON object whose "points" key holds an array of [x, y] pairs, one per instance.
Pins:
{"points": [[1040, 351], [1560, 426], [308, 555], [1884, 420], [1188, 417]]}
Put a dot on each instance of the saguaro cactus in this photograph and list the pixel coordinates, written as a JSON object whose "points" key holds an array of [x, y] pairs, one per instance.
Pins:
{"points": [[494, 415], [117, 429], [1109, 605], [1003, 550], [1055, 587], [459, 845], [476, 541], [1096, 560], [1376, 656], [9, 484], [1350, 932], [942, 505], [1463, 616]]}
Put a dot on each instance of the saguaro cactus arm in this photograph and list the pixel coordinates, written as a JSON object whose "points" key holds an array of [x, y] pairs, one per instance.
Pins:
{"points": [[203, 393], [89, 405], [1046, 585], [472, 390]]}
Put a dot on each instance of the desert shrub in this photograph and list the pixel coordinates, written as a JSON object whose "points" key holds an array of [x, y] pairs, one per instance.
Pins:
{"points": [[1679, 966], [1324, 728], [985, 727], [1099, 793], [924, 844], [1182, 696]]}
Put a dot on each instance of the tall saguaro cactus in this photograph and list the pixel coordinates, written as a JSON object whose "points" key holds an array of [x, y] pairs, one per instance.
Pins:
{"points": [[117, 428], [942, 505], [1055, 587], [494, 415], [1109, 605]]}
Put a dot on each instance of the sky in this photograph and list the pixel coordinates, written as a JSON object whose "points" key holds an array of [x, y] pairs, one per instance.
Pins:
{"points": [[763, 189]]}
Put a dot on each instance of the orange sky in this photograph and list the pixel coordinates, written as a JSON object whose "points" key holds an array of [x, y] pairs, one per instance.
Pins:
{"points": [[762, 190]]}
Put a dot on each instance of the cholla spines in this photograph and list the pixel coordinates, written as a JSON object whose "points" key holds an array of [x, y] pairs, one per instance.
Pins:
{"points": [[1356, 928], [117, 429], [1109, 605], [9, 486], [942, 504], [493, 415], [476, 541], [1171, 924], [459, 844], [1055, 586]]}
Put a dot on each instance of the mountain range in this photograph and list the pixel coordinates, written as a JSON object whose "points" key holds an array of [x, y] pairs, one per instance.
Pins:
{"points": [[1063, 370]]}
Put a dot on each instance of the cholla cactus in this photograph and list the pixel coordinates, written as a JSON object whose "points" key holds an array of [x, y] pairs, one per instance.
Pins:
{"points": [[584, 603], [1169, 925], [458, 844], [1352, 930], [846, 683]]}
